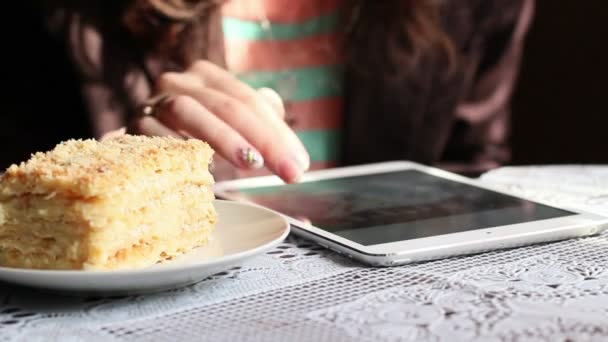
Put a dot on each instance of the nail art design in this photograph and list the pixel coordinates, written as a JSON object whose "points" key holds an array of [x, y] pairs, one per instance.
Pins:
{"points": [[251, 158]]}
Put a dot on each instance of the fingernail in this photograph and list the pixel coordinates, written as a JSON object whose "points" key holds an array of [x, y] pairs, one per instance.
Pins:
{"points": [[303, 160], [250, 158], [290, 171], [273, 97]]}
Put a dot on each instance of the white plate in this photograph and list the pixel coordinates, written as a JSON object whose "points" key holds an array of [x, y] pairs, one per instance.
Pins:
{"points": [[243, 230]]}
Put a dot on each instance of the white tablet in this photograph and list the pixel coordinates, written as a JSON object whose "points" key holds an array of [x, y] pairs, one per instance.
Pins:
{"points": [[400, 212]]}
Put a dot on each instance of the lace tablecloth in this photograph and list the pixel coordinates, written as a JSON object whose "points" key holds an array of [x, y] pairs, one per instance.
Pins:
{"points": [[300, 292]]}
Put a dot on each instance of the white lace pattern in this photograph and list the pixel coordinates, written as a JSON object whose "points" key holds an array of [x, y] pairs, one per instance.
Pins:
{"points": [[301, 292]]}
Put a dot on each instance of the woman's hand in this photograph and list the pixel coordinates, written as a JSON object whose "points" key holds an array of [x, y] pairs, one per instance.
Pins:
{"points": [[243, 125]]}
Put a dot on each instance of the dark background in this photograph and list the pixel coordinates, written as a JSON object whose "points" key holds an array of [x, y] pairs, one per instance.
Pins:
{"points": [[559, 107]]}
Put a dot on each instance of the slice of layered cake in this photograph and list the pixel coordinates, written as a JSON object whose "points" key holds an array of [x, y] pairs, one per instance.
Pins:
{"points": [[126, 202]]}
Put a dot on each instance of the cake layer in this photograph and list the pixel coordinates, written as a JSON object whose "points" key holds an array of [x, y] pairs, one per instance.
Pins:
{"points": [[161, 222], [152, 240], [88, 168], [154, 249], [94, 213], [32, 251], [127, 240], [72, 254]]}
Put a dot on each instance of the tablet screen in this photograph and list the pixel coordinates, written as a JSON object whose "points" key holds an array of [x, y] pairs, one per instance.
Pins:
{"points": [[396, 206]]}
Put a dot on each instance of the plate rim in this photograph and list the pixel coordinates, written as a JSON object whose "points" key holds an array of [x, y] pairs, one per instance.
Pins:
{"points": [[177, 268]]}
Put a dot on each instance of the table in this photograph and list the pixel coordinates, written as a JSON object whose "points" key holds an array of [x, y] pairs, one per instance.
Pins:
{"points": [[300, 292]]}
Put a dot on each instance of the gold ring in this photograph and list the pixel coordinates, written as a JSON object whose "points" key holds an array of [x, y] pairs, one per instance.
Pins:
{"points": [[150, 107]]}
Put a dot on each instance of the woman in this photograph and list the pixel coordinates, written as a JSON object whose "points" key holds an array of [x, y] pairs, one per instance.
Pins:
{"points": [[290, 84]]}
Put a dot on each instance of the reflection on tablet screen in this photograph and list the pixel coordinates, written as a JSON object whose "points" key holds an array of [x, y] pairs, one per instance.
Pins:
{"points": [[396, 206]]}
